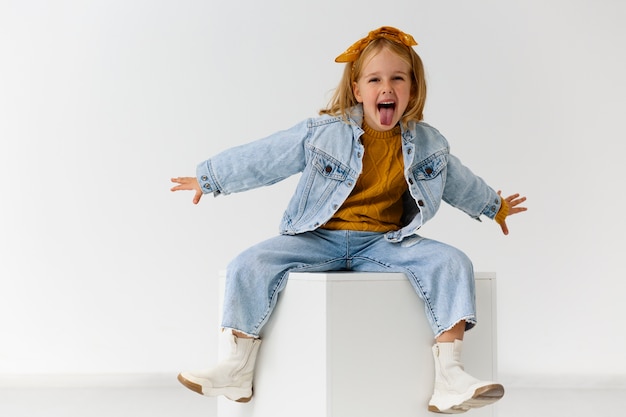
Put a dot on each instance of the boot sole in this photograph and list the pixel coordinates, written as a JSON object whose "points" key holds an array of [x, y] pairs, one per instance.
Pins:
{"points": [[198, 389], [486, 395]]}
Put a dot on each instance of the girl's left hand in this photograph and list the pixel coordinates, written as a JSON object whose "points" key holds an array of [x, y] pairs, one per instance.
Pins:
{"points": [[513, 201]]}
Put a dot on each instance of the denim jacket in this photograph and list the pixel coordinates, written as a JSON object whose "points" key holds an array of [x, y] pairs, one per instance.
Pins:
{"points": [[328, 152]]}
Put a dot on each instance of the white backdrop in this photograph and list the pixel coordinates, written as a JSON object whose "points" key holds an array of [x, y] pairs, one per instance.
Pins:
{"points": [[103, 270]]}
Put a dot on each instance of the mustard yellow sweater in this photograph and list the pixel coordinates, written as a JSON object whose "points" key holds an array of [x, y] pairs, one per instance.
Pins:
{"points": [[375, 204]]}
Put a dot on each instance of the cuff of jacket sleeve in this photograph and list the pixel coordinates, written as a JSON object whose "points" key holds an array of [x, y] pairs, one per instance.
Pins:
{"points": [[207, 182]]}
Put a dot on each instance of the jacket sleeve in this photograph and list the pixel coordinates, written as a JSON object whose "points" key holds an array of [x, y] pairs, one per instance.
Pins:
{"points": [[468, 192], [255, 164]]}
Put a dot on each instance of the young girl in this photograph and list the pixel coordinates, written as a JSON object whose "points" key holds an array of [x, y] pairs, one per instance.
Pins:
{"points": [[372, 174]]}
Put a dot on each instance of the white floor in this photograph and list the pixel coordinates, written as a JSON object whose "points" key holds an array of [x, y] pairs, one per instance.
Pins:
{"points": [[177, 401]]}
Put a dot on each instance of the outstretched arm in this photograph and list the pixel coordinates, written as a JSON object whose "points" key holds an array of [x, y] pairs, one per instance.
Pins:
{"points": [[510, 205], [188, 183]]}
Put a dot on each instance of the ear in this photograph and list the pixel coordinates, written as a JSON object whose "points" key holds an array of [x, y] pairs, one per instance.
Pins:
{"points": [[357, 92]]}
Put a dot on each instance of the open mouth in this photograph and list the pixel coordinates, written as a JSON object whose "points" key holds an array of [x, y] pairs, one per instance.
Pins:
{"points": [[387, 105], [386, 110]]}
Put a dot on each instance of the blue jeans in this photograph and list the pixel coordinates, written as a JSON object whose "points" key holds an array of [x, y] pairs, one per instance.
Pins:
{"points": [[441, 275]]}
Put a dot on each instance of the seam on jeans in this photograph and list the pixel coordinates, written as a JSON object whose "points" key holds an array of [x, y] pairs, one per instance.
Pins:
{"points": [[272, 297], [279, 284], [415, 283]]}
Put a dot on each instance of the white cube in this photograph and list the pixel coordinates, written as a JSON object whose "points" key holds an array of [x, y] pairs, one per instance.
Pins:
{"points": [[346, 344]]}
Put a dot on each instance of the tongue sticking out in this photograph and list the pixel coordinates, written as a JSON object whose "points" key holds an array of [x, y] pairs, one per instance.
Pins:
{"points": [[386, 114]]}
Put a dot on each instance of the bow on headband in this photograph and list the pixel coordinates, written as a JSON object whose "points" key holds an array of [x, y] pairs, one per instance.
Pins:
{"points": [[387, 32]]}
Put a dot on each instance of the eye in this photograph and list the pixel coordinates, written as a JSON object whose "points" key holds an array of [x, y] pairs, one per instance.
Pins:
{"points": [[373, 80]]}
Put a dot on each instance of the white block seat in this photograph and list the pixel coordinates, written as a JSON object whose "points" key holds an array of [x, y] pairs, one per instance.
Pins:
{"points": [[346, 344]]}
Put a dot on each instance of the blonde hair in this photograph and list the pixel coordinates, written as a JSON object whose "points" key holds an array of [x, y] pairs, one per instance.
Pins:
{"points": [[343, 98]]}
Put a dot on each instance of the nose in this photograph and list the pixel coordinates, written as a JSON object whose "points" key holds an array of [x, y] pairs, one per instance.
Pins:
{"points": [[387, 88]]}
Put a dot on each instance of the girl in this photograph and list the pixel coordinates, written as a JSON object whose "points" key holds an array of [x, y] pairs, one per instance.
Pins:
{"points": [[372, 174]]}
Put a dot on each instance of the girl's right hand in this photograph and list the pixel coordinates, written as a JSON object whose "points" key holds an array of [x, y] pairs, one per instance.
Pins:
{"points": [[188, 183]]}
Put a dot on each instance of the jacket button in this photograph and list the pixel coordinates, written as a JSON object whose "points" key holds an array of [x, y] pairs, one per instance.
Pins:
{"points": [[420, 203], [411, 181], [204, 178], [328, 169], [207, 186], [429, 170]]}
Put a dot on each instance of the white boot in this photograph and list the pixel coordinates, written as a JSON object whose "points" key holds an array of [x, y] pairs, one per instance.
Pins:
{"points": [[455, 390], [232, 377]]}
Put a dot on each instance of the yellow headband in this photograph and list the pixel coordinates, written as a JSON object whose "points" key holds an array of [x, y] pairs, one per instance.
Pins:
{"points": [[387, 32]]}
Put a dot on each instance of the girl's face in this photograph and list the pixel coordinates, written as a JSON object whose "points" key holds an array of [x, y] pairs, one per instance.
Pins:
{"points": [[384, 88]]}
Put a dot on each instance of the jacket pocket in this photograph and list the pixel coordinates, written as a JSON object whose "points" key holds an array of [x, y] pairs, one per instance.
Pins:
{"points": [[430, 167], [312, 204], [329, 167], [430, 179]]}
